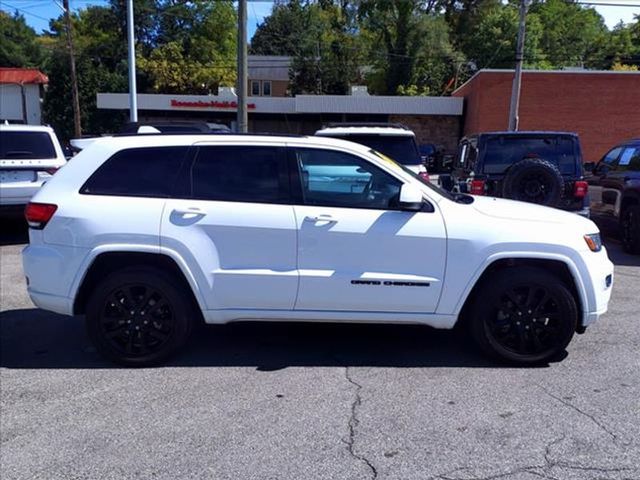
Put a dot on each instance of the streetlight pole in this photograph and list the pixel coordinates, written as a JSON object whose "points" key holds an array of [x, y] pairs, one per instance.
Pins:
{"points": [[241, 88], [517, 77], [133, 97]]}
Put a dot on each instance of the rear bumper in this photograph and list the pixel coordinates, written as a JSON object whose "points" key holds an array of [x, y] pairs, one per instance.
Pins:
{"points": [[52, 303], [18, 194]]}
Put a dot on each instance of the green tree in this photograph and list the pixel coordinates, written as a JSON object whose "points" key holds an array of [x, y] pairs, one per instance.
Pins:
{"points": [[101, 67], [195, 48], [19, 46], [282, 32]]}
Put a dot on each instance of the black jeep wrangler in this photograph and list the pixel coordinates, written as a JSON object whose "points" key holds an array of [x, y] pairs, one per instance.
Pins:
{"points": [[537, 167], [615, 192]]}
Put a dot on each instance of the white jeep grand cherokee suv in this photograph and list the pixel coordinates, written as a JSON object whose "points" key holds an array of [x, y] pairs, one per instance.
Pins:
{"points": [[147, 235], [29, 156]]}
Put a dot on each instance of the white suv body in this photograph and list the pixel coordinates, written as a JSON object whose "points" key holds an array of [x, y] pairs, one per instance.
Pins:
{"points": [[29, 155], [326, 250]]}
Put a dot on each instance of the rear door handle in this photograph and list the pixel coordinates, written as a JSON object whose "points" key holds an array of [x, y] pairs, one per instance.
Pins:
{"points": [[190, 211], [320, 218]]}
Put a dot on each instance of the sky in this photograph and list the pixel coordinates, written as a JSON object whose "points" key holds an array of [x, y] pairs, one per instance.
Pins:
{"points": [[38, 12]]}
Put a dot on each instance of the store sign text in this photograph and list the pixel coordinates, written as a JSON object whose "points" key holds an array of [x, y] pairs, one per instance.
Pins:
{"points": [[209, 104]]}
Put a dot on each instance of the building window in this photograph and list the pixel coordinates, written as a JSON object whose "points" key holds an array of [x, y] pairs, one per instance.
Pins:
{"points": [[266, 88], [255, 88]]}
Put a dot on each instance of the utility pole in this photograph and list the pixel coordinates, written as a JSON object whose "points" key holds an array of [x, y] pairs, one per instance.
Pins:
{"points": [[131, 41], [75, 101], [241, 89], [517, 77]]}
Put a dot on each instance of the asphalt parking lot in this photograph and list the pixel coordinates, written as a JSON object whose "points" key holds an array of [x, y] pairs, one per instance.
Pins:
{"points": [[296, 401]]}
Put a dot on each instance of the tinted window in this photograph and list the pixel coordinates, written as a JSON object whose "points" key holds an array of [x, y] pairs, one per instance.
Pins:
{"points": [[611, 157], [338, 179], [28, 145], [400, 148], [240, 174], [137, 172], [502, 152], [630, 159]]}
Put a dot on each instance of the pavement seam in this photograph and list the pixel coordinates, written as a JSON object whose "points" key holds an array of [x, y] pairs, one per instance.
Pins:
{"points": [[581, 412], [353, 424]]}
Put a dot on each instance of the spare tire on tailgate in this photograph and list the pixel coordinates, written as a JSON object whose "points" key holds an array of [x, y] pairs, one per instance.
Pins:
{"points": [[534, 180]]}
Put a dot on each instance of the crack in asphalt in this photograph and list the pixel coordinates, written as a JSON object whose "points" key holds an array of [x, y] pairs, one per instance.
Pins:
{"points": [[353, 424], [591, 417], [542, 471]]}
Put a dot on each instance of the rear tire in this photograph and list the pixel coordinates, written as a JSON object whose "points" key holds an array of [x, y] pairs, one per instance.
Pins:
{"points": [[523, 315], [139, 316], [534, 180], [630, 229]]}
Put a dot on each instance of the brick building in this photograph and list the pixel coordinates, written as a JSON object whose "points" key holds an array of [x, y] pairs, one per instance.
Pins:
{"points": [[268, 75], [603, 107]]}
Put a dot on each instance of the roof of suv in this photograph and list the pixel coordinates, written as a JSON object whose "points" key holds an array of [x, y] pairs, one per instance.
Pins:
{"points": [[365, 128], [166, 140], [19, 127], [523, 133]]}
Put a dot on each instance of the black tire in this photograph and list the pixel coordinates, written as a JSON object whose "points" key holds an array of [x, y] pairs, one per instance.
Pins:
{"points": [[523, 315], [139, 316], [630, 229], [534, 180]]}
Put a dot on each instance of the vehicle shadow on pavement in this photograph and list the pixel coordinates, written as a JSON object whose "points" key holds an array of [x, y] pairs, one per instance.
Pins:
{"points": [[619, 257], [14, 231], [36, 339]]}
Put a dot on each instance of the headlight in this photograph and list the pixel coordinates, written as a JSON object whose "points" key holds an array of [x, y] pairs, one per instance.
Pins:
{"points": [[593, 241]]}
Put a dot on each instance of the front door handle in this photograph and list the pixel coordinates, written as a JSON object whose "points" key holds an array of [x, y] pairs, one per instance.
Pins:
{"points": [[320, 218]]}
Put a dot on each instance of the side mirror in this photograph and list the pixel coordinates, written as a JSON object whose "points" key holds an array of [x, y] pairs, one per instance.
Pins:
{"points": [[589, 167], [410, 198]]}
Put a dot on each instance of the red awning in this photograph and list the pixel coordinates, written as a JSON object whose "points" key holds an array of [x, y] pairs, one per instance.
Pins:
{"points": [[22, 76]]}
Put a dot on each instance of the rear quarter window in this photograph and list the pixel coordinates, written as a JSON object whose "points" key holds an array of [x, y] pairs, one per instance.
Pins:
{"points": [[137, 172], [26, 145]]}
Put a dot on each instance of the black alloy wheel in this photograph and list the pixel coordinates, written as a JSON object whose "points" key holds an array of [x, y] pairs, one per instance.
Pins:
{"points": [[136, 319], [139, 316], [524, 315]]}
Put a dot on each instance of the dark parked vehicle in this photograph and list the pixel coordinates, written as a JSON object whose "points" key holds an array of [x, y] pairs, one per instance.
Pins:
{"points": [[537, 167], [615, 192], [435, 158]]}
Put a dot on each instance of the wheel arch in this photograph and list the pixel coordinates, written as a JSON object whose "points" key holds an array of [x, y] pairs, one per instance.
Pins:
{"points": [[563, 267], [104, 262]]}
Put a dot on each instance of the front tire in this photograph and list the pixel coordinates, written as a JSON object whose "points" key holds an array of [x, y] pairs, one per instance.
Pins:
{"points": [[630, 229], [139, 316], [524, 315]]}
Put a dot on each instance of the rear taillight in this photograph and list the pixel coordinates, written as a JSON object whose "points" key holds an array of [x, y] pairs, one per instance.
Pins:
{"points": [[39, 214], [580, 189], [51, 171], [477, 187], [424, 176]]}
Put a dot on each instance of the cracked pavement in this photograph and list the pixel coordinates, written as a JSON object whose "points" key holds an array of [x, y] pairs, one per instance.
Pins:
{"points": [[296, 401]]}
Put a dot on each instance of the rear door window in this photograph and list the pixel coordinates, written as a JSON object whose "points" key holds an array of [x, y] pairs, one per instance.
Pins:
{"points": [[630, 159], [256, 174], [26, 145], [138, 172], [502, 152]]}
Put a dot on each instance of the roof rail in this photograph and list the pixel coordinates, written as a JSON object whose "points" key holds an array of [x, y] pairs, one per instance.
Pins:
{"points": [[366, 124]]}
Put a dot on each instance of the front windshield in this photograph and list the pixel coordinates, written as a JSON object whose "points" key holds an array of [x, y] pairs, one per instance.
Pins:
{"points": [[401, 148], [396, 166]]}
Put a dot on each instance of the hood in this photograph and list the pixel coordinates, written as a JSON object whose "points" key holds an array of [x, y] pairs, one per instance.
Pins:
{"points": [[514, 210]]}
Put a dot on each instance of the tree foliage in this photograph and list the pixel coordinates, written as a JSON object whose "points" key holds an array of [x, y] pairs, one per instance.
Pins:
{"points": [[20, 46]]}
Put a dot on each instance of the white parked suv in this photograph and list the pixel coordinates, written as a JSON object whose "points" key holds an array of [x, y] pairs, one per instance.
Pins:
{"points": [[147, 235], [29, 156], [391, 139]]}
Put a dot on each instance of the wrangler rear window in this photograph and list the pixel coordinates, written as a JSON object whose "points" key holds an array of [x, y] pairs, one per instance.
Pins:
{"points": [[502, 152]]}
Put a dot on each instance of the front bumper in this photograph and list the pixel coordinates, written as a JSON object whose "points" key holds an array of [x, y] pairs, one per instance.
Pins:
{"points": [[598, 280]]}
